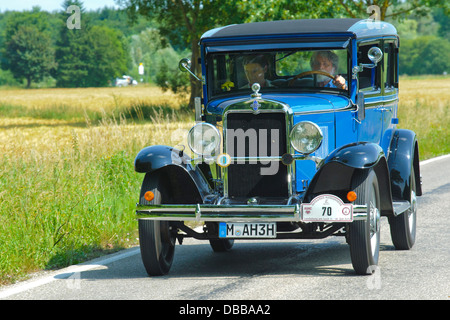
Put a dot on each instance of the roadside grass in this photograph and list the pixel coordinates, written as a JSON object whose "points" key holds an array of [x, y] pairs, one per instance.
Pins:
{"points": [[68, 193], [68, 188]]}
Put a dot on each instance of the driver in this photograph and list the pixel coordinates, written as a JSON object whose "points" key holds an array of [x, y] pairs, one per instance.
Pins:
{"points": [[327, 61], [255, 68]]}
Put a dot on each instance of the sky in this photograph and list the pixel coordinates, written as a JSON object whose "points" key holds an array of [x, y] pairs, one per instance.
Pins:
{"points": [[51, 5]]}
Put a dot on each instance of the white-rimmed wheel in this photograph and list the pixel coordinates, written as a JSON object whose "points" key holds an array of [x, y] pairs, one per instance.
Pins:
{"points": [[403, 227], [156, 238], [364, 236]]}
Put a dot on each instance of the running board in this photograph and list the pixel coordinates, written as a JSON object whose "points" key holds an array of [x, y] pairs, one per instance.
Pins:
{"points": [[400, 207]]}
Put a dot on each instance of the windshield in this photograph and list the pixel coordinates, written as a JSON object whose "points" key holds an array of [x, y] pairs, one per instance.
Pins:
{"points": [[281, 70]]}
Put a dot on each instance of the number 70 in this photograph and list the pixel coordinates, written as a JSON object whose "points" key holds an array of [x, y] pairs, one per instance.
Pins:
{"points": [[326, 211]]}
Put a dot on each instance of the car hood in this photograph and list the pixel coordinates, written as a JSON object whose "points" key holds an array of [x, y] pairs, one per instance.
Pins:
{"points": [[299, 103]]}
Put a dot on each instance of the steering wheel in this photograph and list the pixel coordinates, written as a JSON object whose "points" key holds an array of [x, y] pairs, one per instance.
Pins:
{"points": [[307, 73]]}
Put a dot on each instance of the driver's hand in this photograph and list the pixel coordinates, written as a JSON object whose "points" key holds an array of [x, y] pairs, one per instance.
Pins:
{"points": [[339, 82]]}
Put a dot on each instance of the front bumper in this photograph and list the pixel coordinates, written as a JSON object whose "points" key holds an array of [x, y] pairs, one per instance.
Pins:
{"points": [[225, 213]]}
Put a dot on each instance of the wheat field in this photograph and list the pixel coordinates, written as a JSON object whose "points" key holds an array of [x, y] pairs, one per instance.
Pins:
{"points": [[95, 99], [424, 107]]}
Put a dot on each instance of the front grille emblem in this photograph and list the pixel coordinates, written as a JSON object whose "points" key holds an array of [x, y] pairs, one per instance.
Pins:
{"points": [[255, 106]]}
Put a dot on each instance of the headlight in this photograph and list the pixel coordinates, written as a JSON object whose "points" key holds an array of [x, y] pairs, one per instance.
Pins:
{"points": [[204, 139], [306, 137]]}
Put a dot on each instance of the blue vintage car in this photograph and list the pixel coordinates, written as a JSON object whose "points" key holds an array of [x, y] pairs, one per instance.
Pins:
{"points": [[295, 138]]}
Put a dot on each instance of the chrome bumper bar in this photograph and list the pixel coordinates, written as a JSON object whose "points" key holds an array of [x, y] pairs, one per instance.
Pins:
{"points": [[224, 213]]}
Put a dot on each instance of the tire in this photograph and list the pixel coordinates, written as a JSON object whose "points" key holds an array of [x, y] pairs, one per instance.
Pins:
{"points": [[218, 245], [221, 245], [364, 236], [156, 239], [403, 227]]}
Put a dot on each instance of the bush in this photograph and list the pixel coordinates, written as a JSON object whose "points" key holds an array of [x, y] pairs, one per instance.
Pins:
{"points": [[172, 78], [424, 55]]}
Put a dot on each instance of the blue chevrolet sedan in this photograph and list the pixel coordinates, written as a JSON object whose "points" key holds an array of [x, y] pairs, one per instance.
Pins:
{"points": [[295, 138]]}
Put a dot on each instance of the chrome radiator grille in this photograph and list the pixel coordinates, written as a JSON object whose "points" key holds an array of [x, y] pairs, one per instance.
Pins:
{"points": [[256, 135]]}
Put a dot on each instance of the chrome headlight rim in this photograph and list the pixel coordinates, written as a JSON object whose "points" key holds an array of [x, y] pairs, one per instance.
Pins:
{"points": [[216, 133], [318, 132]]}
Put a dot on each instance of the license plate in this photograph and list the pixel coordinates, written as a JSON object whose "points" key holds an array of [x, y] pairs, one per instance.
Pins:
{"points": [[327, 208], [247, 230]]}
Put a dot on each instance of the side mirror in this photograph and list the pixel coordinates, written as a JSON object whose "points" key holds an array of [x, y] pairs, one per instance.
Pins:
{"points": [[185, 65], [375, 55]]}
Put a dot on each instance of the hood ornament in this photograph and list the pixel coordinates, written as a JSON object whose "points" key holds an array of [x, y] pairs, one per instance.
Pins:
{"points": [[256, 95], [256, 87]]}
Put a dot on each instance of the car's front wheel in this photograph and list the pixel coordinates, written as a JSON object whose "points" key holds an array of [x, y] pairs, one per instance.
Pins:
{"points": [[364, 236], [156, 238]]}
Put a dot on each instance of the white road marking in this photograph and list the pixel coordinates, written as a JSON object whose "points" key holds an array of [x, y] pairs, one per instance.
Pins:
{"points": [[434, 159], [67, 272]]}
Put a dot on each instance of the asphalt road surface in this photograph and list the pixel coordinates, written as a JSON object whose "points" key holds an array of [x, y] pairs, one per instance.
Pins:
{"points": [[272, 270]]}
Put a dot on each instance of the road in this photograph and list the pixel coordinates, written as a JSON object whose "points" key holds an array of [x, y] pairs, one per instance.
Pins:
{"points": [[272, 270]]}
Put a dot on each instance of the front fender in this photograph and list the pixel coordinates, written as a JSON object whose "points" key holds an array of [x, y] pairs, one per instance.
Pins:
{"points": [[336, 172], [153, 158], [359, 155], [177, 168]]}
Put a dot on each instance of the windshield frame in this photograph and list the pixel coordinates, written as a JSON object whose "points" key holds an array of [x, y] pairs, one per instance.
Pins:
{"points": [[252, 46]]}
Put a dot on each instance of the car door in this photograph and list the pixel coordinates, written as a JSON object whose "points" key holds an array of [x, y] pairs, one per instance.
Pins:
{"points": [[369, 80]]}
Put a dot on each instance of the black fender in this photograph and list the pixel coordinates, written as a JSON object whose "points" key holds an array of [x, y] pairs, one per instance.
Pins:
{"points": [[335, 173], [185, 181], [404, 155]]}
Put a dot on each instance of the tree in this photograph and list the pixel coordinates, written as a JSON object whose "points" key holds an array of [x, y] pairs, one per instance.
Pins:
{"points": [[90, 56], [382, 9], [183, 22], [30, 54], [107, 57], [71, 51], [424, 55]]}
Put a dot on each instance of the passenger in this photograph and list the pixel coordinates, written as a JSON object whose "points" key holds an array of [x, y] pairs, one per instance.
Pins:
{"points": [[255, 68], [327, 61]]}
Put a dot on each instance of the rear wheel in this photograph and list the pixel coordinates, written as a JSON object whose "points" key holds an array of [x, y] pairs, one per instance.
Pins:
{"points": [[156, 238], [403, 227], [364, 236], [218, 245], [221, 245]]}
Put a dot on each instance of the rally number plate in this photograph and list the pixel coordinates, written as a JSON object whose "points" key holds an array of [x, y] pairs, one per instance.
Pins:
{"points": [[327, 208], [247, 230]]}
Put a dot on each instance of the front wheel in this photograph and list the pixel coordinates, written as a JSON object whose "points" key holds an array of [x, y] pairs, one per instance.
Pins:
{"points": [[157, 252], [364, 236], [156, 238]]}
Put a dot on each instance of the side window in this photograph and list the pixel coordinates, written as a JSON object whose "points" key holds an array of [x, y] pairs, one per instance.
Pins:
{"points": [[369, 78], [390, 65]]}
